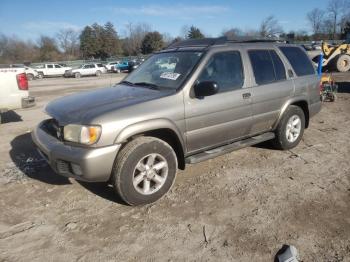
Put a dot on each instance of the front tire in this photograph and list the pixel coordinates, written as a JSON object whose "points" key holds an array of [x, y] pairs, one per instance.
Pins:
{"points": [[290, 129], [77, 75], [144, 170], [98, 73], [343, 63]]}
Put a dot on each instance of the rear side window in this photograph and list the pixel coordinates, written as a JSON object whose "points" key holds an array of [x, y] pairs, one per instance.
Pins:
{"points": [[280, 71], [267, 66], [226, 69], [298, 60], [49, 66], [99, 65]]}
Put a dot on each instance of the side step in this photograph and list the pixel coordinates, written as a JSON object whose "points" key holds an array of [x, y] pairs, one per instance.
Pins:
{"points": [[229, 148]]}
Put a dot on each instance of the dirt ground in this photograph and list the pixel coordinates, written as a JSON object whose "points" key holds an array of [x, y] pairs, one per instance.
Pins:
{"points": [[239, 207]]}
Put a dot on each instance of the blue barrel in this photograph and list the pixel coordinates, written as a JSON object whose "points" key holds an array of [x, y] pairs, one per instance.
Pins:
{"points": [[320, 62]]}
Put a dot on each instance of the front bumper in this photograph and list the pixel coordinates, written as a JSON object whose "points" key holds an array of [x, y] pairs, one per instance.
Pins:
{"points": [[95, 164]]}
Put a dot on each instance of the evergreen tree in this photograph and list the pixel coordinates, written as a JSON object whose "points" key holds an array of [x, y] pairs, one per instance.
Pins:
{"points": [[195, 33], [153, 41], [111, 43], [88, 45]]}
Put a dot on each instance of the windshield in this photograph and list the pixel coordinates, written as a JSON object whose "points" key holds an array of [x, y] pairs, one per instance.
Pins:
{"points": [[167, 70]]}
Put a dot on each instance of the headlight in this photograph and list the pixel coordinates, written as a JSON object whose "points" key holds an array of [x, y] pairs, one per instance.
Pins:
{"points": [[87, 135]]}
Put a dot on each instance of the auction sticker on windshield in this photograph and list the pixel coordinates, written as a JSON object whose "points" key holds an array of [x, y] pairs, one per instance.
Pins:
{"points": [[170, 76]]}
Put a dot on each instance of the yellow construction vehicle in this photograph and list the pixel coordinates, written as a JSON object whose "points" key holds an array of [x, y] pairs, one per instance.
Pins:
{"points": [[336, 56]]}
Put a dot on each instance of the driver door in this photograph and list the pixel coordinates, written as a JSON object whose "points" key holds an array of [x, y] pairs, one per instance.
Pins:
{"points": [[226, 116]]}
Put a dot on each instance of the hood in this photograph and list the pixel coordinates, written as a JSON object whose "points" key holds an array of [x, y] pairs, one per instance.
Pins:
{"points": [[85, 106]]}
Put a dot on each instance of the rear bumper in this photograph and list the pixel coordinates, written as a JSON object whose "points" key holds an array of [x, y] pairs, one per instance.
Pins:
{"points": [[92, 164], [315, 108], [28, 102]]}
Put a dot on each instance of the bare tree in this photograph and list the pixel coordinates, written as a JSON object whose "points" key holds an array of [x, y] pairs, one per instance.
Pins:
{"points": [[134, 36], [315, 18], [336, 9], [184, 31], [270, 27], [68, 40], [233, 33]]}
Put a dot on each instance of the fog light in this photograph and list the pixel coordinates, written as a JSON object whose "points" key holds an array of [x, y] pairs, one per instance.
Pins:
{"points": [[76, 169]]}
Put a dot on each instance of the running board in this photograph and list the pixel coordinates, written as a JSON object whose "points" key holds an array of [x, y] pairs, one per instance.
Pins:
{"points": [[229, 148]]}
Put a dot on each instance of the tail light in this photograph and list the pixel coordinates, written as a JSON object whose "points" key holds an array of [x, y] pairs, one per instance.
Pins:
{"points": [[22, 81]]}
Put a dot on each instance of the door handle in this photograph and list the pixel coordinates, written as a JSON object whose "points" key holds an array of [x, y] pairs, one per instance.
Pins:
{"points": [[246, 95]]}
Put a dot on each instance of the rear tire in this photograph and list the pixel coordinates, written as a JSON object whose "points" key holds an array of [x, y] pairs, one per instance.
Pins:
{"points": [[40, 75], [144, 170], [343, 63], [77, 75], [290, 129]]}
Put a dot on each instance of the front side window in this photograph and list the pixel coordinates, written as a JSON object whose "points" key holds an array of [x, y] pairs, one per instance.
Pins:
{"points": [[225, 69], [267, 66], [298, 60], [57, 66], [165, 70]]}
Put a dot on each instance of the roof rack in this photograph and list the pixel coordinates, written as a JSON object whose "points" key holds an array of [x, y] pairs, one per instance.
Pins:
{"points": [[206, 42]]}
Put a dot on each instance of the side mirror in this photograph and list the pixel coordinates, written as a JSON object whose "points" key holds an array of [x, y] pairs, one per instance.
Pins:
{"points": [[206, 88]]}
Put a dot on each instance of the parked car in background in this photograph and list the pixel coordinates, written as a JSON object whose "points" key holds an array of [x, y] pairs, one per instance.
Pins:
{"points": [[86, 70], [48, 70], [132, 65], [14, 90], [210, 98], [123, 66], [31, 73], [111, 65]]}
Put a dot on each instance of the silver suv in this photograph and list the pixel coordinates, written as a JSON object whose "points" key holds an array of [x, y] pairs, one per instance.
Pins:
{"points": [[196, 100]]}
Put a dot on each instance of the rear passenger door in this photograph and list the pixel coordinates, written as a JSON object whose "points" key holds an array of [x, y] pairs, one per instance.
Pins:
{"points": [[271, 88], [305, 79]]}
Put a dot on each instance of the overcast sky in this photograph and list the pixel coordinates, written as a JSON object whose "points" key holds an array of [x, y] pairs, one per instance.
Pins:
{"points": [[28, 20]]}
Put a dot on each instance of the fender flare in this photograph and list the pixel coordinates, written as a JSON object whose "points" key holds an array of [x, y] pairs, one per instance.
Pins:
{"points": [[147, 126], [285, 106]]}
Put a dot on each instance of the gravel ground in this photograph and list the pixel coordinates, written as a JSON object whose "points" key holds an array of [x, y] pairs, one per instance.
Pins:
{"points": [[239, 207]]}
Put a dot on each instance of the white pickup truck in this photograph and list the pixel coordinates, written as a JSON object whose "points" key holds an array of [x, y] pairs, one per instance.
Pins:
{"points": [[14, 92], [46, 70]]}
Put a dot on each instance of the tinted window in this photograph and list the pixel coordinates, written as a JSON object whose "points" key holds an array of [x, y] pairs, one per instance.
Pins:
{"points": [[280, 71], [262, 66], [99, 65], [49, 66], [225, 69], [57, 66], [298, 60]]}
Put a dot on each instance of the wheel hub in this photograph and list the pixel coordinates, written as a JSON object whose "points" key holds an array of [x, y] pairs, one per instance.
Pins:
{"points": [[293, 128], [150, 174]]}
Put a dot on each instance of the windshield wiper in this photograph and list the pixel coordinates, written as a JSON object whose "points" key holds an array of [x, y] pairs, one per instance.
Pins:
{"points": [[127, 83], [148, 85]]}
